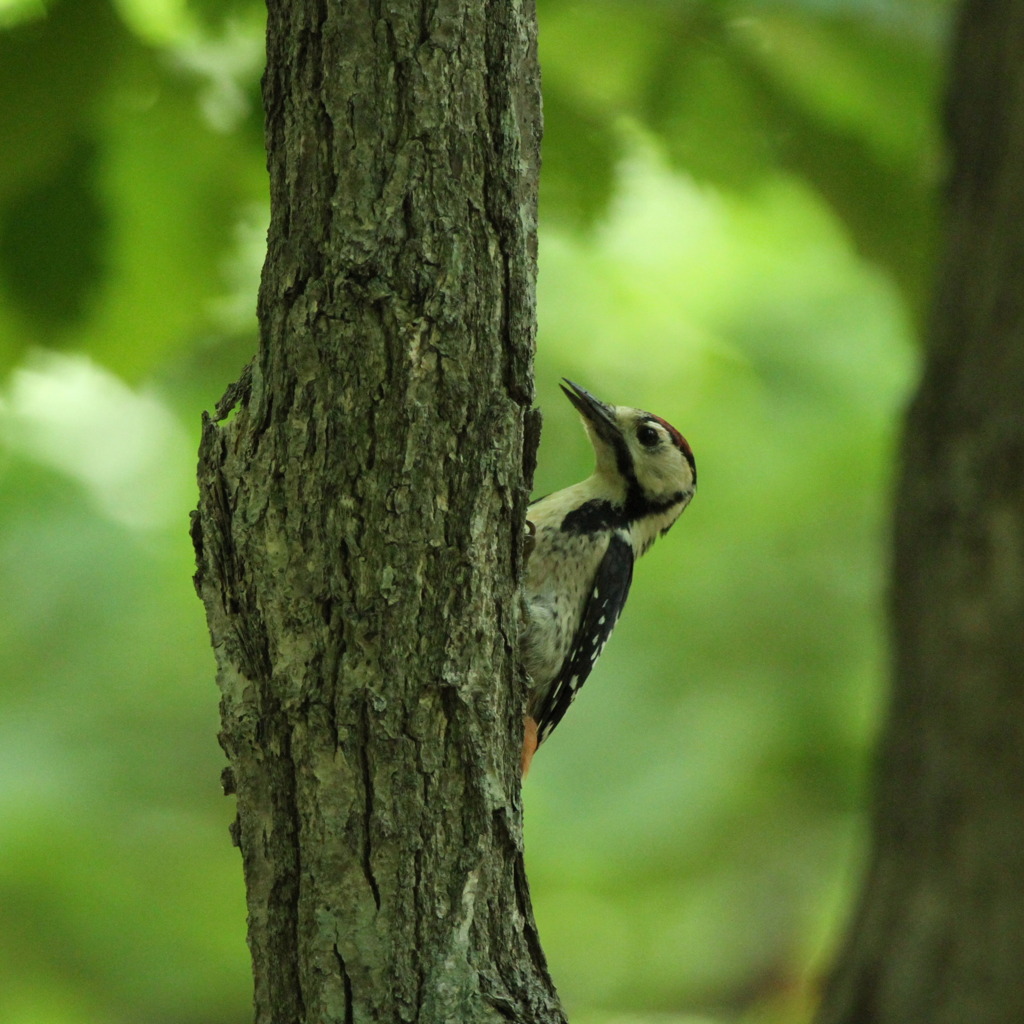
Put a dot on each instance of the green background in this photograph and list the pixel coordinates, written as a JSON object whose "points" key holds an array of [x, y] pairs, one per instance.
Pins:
{"points": [[737, 234]]}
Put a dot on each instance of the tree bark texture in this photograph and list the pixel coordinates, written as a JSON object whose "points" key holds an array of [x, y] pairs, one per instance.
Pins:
{"points": [[362, 497], [939, 935]]}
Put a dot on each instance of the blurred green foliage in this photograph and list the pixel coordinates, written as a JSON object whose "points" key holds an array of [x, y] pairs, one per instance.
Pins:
{"points": [[737, 232]]}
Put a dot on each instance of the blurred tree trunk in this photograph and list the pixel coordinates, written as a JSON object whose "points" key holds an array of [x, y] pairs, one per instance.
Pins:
{"points": [[360, 520], [939, 935]]}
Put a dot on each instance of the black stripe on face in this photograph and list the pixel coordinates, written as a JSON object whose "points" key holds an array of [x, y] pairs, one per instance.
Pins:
{"points": [[638, 507], [623, 459]]}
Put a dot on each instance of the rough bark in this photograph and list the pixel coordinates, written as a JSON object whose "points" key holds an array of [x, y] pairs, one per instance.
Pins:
{"points": [[362, 497], [939, 935]]}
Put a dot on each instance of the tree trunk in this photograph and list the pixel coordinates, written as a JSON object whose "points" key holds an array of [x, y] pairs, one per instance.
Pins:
{"points": [[939, 936], [361, 514]]}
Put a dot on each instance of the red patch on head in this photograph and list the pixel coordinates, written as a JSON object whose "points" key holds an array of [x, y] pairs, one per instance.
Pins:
{"points": [[677, 439]]}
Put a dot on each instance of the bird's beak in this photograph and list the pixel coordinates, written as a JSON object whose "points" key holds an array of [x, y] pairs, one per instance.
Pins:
{"points": [[592, 410]]}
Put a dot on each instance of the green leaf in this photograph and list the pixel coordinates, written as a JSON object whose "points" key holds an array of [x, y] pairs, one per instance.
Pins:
{"points": [[51, 71], [579, 167], [52, 239]]}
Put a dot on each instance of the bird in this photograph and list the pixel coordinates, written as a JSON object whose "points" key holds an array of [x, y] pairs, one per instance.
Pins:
{"points": [[582, 543]]}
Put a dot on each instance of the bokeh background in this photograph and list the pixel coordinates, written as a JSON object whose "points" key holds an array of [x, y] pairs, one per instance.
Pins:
{"points": [[737, 234]]}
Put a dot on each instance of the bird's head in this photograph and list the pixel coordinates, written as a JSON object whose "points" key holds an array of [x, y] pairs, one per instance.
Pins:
{"points": [[641, 457]]}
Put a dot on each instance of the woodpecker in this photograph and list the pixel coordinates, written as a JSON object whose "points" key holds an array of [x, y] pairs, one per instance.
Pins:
{"points": [[583, 543]]}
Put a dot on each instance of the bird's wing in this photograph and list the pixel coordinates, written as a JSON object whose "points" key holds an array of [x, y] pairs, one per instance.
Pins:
{"points": [[601, 612]]}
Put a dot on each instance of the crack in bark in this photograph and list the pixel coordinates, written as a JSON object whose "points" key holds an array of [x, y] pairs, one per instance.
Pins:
{"points": [[529, 928], [346, 982], [364, 762]]}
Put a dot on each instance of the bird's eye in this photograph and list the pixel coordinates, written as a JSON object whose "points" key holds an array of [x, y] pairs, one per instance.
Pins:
{"points": [[647, 435]]}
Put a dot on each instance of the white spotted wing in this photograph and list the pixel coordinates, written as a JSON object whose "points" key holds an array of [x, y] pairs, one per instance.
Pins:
{"points": [[601, 612]]}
